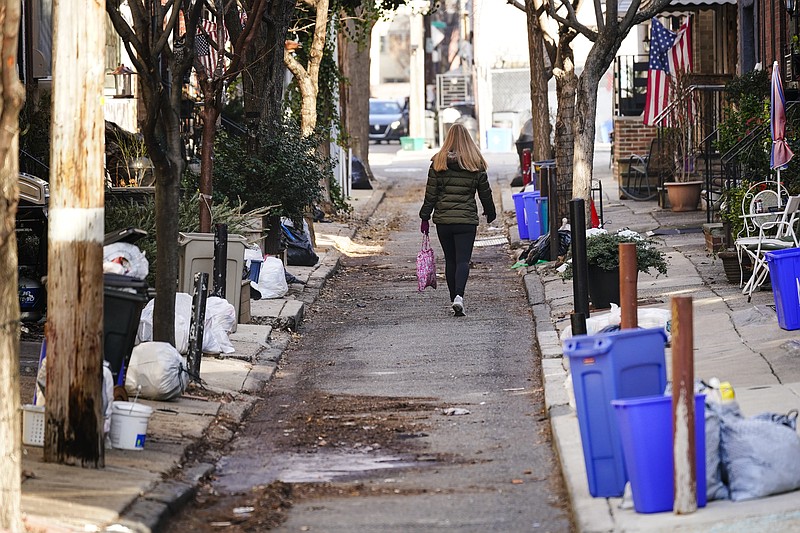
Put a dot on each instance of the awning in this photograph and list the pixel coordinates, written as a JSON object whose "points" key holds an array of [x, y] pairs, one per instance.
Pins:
{"points": [[625, 4]]}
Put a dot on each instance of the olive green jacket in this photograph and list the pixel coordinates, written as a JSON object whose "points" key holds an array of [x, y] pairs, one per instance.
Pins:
{"points": [[450, 196]]}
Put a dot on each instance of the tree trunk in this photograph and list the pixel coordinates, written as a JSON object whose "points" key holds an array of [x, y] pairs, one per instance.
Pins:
{"points": [[263, 97], [10, 419], [308, 78], [566, 86], [167, 202], [585, 112], [354, 93], [74, 418], [209, 114], [540, 110]]}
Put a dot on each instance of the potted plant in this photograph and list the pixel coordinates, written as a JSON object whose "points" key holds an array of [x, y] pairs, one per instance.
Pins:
{"points": [[684, 192], [602, 257]]}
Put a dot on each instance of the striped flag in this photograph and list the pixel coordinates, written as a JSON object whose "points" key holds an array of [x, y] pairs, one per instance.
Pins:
{"points": [[680, 55], [670, 53], [207, 52], [661, 40]]}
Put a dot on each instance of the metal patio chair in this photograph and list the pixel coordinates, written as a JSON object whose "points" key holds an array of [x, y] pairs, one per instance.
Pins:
{"points": [[776, 231]]}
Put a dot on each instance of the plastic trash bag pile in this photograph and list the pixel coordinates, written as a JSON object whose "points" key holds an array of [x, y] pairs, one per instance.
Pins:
{"points": [[219, 322], [748, 457]]}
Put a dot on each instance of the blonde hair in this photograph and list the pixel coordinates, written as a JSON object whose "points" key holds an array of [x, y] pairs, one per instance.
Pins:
{"points": [[459, 142]]}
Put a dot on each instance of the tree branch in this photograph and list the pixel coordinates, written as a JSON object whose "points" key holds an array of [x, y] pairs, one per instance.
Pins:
{"points": [[517, 4]]}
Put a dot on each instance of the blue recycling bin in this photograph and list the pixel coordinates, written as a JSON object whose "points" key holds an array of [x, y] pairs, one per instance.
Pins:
{"points": [[532, 219], [645, 426], [544, 216], [254, 271], [519, 209], [784, 273], [611, 366]]}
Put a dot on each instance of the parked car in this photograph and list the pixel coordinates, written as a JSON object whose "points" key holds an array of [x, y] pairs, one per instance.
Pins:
{"points": [[387, 120]]}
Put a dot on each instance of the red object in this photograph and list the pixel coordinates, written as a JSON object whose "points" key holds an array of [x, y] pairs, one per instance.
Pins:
{"points": [[526, 166], [593, 215]]}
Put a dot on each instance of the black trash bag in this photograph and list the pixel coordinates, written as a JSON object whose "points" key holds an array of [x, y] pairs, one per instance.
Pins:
{"points": [[292, 279], [540, 248], [299, 251], [358, 175]]}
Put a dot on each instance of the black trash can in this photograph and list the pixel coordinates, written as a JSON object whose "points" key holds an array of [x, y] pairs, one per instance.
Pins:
{"points": [[123, 300]]}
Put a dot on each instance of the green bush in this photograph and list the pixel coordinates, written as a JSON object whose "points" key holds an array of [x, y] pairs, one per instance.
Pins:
{"points": [[284, 175], [602, 251]]}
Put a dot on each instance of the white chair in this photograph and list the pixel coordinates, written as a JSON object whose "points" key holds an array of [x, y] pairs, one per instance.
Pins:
{"points": [[776, 231]]}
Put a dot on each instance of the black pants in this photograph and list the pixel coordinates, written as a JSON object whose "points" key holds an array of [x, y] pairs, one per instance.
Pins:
{"points": [[457, 241]]}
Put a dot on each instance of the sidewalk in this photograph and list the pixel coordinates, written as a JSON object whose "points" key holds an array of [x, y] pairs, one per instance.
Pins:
{"points": [[137, 490], [735, 341]]}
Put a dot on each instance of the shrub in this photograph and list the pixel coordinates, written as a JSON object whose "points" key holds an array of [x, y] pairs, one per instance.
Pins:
{"points": [[602, 251], [286, 172]]}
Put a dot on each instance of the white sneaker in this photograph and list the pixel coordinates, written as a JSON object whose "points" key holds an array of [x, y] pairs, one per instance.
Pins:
{"points": [[458, 306]]}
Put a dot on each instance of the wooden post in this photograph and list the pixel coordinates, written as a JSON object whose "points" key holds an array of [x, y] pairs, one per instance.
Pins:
{"points": [[74, 419], [683, 440], [628, 277]]}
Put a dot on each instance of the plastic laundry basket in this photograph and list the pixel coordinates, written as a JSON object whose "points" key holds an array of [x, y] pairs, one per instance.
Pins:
{"points": [[33, 425]]}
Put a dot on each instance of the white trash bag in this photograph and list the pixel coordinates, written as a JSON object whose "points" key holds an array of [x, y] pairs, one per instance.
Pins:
{"points": [[648, 318], [271, 279], [183, 318], [125, 258], [219, 322], [156, 372]]}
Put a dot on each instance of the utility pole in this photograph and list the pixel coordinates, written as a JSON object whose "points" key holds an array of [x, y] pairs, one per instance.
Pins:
{"points": [[11, 95], [73, 413], [416, 101]]}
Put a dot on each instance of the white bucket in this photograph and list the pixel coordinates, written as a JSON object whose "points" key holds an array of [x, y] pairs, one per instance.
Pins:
{"points": [[129, 425]]}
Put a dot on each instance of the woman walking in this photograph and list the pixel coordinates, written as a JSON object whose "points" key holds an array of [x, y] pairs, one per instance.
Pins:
{"points": [[458, 171]]}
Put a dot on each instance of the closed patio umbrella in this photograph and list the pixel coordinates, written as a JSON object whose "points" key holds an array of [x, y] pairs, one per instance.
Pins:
{"points": [[781, 154]]}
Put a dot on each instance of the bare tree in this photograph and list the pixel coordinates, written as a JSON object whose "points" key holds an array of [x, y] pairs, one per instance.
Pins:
{"points": [[607, 38], [212, 85], [539, 42], [10, 423], [354, 93], [161, 57]]}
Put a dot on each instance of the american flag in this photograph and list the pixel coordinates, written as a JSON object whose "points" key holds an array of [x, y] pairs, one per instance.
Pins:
{"points": [[661, 40], [670, 53], [207, 53]]}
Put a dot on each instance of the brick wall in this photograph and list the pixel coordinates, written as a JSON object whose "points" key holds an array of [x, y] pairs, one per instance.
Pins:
{"points": [[630, 137]]}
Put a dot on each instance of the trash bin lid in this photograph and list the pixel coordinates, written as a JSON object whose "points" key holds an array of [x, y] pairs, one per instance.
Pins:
{"points": [[129, 235], [118, 281]]}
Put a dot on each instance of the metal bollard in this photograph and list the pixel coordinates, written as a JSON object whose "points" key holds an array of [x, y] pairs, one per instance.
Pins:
{"points": [[580, 266], [220, 259], [552, 212]]}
